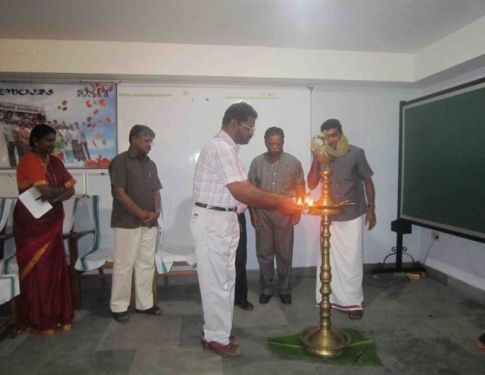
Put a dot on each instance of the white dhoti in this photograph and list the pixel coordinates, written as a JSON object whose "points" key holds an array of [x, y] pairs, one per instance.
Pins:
{"points": [[346, 261], [216, 236]]}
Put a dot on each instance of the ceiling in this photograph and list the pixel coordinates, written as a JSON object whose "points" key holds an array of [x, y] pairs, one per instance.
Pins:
{"points": [[402, 26]]}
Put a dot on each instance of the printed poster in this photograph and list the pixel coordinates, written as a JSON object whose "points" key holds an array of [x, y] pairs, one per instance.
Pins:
{"points": [[83, 115]]}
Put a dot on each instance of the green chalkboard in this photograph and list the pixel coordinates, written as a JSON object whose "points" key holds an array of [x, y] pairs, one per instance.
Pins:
{"points": [[442, 161]]}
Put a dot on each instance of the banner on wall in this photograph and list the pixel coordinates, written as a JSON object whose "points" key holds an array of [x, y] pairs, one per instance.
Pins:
{"points": [[83, 115]]}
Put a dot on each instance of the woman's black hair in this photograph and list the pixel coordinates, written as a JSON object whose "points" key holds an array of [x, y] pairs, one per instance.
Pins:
{"points": [[39, 132]]}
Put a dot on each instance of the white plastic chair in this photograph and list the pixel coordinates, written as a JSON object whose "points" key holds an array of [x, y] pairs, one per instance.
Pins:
{"points": [[9, 281]]}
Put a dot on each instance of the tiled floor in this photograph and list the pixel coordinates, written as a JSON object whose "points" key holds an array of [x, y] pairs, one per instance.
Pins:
{"points": [[419, 327]]}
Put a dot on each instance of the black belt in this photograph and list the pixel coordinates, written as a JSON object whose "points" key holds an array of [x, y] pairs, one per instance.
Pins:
{"points": [[209, 207]]}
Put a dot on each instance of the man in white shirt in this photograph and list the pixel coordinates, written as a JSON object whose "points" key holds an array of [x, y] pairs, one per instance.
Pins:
{"points": [[220, 183]]}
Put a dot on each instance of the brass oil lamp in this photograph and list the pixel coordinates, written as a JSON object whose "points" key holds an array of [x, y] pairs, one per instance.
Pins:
{"points": [[323, 340]]}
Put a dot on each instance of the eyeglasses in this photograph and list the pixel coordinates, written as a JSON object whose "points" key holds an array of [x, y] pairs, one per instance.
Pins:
{"points": [[251, 129]]}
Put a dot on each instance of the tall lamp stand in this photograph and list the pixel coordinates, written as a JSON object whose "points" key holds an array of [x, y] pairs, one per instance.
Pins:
{"points": [[323, 340]]}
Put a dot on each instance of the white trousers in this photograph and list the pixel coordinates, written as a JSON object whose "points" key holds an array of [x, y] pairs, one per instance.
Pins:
{"points": [[134, 250], [346, 261], [216, 236]]}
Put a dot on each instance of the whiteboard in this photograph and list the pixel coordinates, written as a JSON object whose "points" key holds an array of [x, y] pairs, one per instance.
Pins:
{"points": [[184, 118]]}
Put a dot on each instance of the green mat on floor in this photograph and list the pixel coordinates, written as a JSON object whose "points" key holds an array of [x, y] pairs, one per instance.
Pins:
{"points": [[361, 351]]}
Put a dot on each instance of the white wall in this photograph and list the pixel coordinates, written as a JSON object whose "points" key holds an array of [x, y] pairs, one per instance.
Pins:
{"points": [[158, 61], [185, 117], [140, 60], [257, 64], [369, 115], [457, 48]]}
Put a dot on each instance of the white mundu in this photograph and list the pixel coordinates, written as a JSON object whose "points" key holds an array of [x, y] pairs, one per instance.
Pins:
{"points": [[346, 255]]}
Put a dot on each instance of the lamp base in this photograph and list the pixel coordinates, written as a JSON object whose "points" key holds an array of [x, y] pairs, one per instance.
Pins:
{"points": [[329, 344]]}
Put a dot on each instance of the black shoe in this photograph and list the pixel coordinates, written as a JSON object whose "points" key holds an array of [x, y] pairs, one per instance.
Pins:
{"points": [[121, 317], [285, 299], [154, 310], [264, 298], [245, 305]]}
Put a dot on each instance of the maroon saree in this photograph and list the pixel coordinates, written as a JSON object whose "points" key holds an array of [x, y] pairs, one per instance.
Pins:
{"points": [[45, 295]]}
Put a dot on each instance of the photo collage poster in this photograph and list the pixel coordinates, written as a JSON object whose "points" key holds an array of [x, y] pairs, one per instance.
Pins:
{"points": [[83, 115]]}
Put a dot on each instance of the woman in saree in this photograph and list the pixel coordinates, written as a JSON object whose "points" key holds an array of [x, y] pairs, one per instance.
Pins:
{"points": [[45, 297]]}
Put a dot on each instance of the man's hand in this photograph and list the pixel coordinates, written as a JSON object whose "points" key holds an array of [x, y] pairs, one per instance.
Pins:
{"points": [[322, 157], [370, 218], [288, 206], [150, 217]]}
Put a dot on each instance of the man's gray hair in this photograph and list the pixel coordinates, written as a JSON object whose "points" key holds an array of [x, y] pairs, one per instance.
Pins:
{"points": [[138, 131]]}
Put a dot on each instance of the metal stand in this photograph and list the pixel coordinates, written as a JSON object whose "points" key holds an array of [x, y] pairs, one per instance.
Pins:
{"points": [[322, 340], [401, 227]]}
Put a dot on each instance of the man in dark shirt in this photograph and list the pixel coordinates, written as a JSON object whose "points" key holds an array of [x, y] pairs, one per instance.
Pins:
{"points": [[135, 188], [350, 179]]}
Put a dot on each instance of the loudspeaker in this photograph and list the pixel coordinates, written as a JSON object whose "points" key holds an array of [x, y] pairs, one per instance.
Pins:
{"points": [[401, 226]]}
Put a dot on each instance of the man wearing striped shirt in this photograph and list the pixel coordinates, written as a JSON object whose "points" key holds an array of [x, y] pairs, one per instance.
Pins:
{"points": [[220, 183]]}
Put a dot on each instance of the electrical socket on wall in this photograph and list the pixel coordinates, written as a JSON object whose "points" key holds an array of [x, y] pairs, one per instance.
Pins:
{"points": [[435, 235]]}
